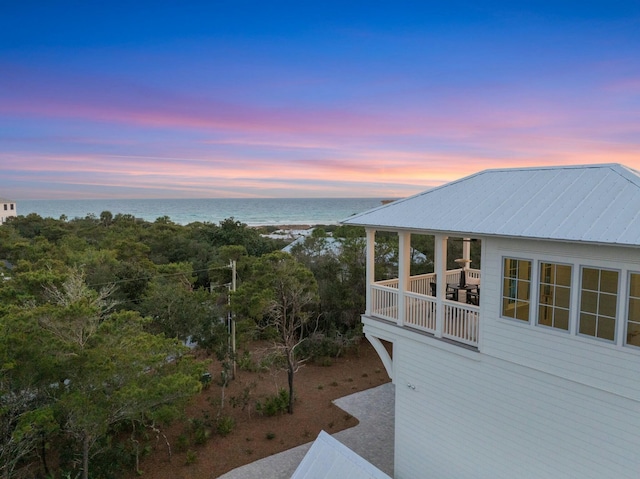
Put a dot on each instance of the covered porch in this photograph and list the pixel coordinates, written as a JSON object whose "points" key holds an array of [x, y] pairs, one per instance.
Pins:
{"points": [[445, 309]]}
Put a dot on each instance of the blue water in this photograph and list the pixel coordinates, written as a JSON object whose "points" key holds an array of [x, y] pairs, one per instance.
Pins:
{"points": [[254, 212]]}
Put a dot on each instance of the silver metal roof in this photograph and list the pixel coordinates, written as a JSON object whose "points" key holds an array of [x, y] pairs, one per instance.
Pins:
{"points": [[589, 203], [328, 458]]}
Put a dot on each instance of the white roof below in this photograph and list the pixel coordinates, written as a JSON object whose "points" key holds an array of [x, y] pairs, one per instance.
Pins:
{"points": [[590, 203], [328, 458]]}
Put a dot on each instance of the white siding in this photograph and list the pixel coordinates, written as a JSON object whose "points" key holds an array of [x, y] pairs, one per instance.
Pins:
{"points": [[597, 363], [457, 417]]}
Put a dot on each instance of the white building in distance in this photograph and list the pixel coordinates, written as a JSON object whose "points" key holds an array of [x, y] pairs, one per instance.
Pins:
{"points": [[7, 209]]}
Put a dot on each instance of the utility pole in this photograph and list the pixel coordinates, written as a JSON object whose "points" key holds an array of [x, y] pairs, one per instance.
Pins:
{"points": [[233, 319]]}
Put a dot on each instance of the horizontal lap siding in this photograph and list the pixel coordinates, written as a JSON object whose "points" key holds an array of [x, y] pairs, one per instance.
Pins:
{"points": [[493, 419], [584, 360]]}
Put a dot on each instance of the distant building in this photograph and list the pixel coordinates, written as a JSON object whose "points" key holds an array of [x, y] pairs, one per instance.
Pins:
{"points": [[526, 365], [7, 209]]}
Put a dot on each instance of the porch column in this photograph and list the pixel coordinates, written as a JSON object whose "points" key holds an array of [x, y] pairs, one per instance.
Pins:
{"points": [[466, 250], [440, 268], [371, 266], [404, 271]]}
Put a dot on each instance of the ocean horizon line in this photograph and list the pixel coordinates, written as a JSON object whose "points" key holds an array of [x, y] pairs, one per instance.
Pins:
{"points": [[251, 211]]}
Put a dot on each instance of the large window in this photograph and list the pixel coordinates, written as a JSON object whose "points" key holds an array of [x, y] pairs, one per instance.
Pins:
{"points": [[516, 289], [598, 303], [633, 314], [554, 295]]}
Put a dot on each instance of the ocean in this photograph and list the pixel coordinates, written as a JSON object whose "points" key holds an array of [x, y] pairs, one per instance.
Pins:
{"points": [[253, 212]]}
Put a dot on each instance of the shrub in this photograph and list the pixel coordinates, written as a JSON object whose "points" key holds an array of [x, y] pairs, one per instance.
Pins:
{"points": [[182, 443], [225, 425], [191, 457], [246, 363], [276, 404]]}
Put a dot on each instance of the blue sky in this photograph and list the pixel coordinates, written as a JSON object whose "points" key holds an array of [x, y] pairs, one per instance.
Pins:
{"points": [[294, 99]]}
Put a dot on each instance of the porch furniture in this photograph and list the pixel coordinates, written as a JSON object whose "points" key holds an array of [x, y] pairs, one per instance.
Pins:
{"points": [[456, 288], [473, 296], [450, 293]]}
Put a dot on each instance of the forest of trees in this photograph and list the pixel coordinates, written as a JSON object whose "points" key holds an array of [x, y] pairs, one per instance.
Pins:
{"points": [[95, 313]]}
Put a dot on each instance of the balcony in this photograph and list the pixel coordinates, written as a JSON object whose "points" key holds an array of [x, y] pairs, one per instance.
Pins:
{"points": [[419, 309]]}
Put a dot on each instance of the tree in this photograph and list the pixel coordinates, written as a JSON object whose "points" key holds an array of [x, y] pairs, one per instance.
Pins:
{"points": [[108, 370], [279, 296]]}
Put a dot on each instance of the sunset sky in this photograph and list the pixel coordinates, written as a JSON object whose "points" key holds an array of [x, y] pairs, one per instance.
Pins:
{"points": [[215, 99]]}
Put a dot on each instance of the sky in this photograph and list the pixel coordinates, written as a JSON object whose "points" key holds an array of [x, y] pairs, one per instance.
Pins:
{"points": [[226, 99]]}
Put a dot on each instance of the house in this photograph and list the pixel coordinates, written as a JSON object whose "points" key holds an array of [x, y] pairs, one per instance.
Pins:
{"points": [[523, 361], [7, 209]]}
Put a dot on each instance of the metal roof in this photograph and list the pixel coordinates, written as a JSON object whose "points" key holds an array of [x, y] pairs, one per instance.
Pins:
{"points": [[588, 203], [328, 458]]}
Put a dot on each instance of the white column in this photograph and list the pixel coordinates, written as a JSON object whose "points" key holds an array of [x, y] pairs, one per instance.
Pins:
{"points": [[466, 250], [440, 268], [371, 266], [404, 271]]}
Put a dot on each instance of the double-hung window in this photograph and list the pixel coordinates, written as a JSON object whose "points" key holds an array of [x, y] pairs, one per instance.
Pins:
{"points": [[554, 295], [598, 303], [516, 288]]}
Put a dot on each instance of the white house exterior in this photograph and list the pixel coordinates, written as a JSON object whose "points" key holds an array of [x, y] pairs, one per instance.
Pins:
{"points": [[7, 209], [541, 379]]}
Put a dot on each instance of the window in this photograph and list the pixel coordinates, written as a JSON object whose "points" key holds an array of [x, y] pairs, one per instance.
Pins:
{"points": [[633, 313], [516, 288], [11, 206], [5, 207], [554, 295], [598, 303]]}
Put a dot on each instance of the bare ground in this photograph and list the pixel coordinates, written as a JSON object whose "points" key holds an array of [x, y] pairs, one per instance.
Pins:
{"points": [[255, 436]]}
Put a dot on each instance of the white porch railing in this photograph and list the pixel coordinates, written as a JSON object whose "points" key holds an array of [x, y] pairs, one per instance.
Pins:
{"points": [[461, 321], [420, 312], [384, 302]]}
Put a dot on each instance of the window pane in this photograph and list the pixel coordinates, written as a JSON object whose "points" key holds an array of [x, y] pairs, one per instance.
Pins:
{"points": [[563, 275], [606, 328], [590, 279], [522, 310], [524, 269], [546, 294], [633, 334], [561, 319], [562, 297], [588, 324], [589, 302], [508, 308], [523, 290], [545, 316], [509, 268], [609, 281], [634, 285], [607, 306], [634, 309]]}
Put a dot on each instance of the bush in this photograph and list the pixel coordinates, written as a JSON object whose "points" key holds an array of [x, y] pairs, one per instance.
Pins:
{"points": [[276, 404], [321, 347], [225, 425]]}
